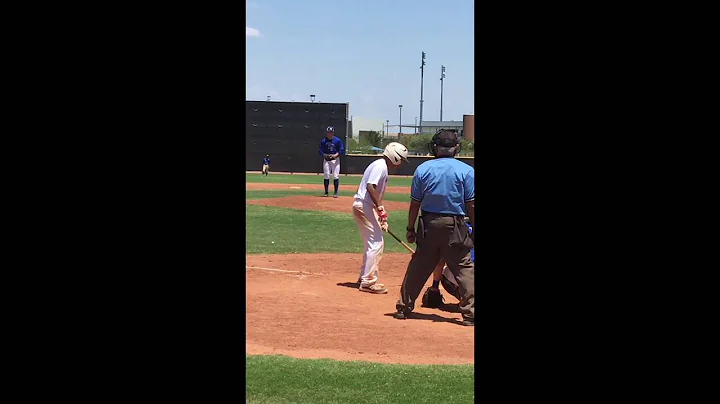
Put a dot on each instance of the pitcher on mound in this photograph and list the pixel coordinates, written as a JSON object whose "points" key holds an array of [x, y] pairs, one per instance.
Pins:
{"points": [[331, 148]]}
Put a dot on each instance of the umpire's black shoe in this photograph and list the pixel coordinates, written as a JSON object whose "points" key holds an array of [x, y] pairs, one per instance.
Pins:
{"points": [[470, 322], [401, 315]]}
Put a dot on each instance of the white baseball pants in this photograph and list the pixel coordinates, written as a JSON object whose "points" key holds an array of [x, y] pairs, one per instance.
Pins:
{"points": [[332, 167], [372, 235]]}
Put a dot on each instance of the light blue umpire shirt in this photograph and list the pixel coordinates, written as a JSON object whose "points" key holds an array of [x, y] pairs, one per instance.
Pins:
{"points": [[443, 185]]}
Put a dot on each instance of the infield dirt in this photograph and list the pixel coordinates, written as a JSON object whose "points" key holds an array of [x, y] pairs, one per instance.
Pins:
{"points": [[320, 313], [316, 310]]}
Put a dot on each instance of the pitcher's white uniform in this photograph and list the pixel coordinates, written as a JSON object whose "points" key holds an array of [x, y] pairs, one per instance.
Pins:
{"points": [[367, 220], [331, 168]]}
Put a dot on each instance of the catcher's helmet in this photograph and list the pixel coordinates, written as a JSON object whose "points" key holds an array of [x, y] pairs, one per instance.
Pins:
{"points": [[330, 129], [396, 152]]}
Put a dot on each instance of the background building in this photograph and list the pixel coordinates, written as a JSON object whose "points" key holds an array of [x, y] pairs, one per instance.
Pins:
{"points": [[360, 123], [430, 127], [465, 128], [469, 127]]}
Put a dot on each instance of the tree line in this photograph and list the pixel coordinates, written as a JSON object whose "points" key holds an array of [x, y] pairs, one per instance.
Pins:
{"points": [[416, 144]]}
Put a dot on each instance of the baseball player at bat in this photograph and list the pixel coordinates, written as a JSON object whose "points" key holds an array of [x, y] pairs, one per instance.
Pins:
{"points": [[331, 148], [371, 216], [442, 274], [266, 165]]}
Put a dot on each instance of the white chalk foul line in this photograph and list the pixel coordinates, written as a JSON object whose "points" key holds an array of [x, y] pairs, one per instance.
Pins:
{"points": [[283, 270]]}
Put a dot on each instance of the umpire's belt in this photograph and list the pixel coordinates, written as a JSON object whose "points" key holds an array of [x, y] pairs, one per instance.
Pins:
{"points": [[431, 215], [459, 235]]}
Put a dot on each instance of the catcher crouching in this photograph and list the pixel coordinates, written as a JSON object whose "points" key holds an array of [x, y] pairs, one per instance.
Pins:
{"points": [[433, 298]]}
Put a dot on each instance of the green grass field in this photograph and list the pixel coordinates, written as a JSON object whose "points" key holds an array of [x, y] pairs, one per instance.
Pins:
{"points": [[296, 231], [318, 179], [280, 379], [264, 194]]}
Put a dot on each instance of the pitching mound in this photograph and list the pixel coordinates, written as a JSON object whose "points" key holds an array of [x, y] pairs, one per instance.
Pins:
{"points": [[259, 186], [308, 306], [309, 202]]}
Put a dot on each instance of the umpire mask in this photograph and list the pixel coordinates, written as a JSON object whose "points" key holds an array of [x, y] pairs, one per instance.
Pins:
{"points": [[445, 143]]}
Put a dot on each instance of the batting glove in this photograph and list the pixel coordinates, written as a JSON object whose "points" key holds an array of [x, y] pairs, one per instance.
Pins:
{"points": [[382, 214]]}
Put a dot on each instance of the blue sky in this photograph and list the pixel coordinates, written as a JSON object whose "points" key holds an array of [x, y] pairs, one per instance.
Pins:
{"points": [[366, 53]]}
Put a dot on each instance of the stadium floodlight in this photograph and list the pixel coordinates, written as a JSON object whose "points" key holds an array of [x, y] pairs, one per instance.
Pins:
{"points": [[400, 132]]}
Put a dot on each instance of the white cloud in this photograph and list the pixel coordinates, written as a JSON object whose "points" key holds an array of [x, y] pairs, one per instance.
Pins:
{"points": [[251, 32]]}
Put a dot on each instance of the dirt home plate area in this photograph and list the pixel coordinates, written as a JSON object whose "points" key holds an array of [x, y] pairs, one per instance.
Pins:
{"points": [[308, 305]]}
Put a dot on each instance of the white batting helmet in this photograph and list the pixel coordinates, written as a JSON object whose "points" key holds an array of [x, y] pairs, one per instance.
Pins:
{"points": [[395, 152]]}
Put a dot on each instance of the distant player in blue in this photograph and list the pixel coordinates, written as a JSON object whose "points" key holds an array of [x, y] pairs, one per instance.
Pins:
{"points": [[266, 165], [432, 297], [331, 148]]}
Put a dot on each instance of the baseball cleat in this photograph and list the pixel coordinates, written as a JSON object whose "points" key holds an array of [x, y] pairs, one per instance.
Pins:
{"points": [[359, 282], [376, 288], [326, 195], [401, 315], [467, 321], [335, 195]]}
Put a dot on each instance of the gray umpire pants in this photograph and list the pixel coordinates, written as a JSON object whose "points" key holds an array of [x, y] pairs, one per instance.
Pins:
{"points": [[440, 237]]}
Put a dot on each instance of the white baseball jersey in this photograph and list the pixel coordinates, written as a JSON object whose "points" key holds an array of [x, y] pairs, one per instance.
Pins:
{"points": [[376, 173]]}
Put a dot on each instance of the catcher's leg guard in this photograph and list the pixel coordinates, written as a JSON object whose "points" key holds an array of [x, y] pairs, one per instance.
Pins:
{"points": [[450, 284]]}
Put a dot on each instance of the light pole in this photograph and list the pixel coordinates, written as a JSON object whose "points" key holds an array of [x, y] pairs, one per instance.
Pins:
{"points": [[422, 70], [416, 125], [312, 97], [400, 133], [388, 127], [442, 77]]}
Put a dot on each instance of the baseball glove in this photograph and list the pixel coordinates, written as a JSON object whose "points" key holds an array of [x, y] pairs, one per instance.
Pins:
{"points": [[329, 157], [432, 298]]}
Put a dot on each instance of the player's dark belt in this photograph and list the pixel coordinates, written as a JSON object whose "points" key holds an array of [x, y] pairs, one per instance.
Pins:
{"points": [[431, 215], [459, 233]]}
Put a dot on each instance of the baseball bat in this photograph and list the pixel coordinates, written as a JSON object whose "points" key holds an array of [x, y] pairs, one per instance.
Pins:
{"points": [[401, 242]]}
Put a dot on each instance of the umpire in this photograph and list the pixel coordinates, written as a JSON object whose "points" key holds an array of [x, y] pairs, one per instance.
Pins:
{"points": [[444, 190]]}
